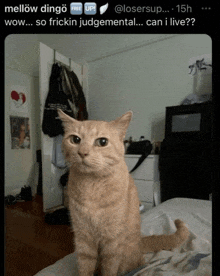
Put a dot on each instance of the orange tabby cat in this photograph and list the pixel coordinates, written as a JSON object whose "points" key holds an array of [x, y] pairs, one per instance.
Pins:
{"points": [[103, 200]]}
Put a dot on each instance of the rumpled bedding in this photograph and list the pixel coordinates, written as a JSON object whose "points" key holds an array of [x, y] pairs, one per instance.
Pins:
{"points": [[192, 258]]}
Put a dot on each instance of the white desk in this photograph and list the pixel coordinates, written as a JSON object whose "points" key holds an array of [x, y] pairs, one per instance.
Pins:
{"points": [[146, 178]]}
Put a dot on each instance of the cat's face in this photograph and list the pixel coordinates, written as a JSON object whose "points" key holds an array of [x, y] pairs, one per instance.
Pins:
{"points": [[94, 146]]}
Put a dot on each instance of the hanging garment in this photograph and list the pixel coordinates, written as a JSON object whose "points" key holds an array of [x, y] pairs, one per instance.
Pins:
{"points": [[57, 154], [73, 89], [64, 178], [62, 95], [56, 98]]}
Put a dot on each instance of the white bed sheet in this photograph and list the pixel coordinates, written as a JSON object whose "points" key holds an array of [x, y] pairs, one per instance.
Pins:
{"points": [[193, 258]]}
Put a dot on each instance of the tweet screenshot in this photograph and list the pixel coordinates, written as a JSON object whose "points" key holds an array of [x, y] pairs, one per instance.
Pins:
{"points": [[111, 139], [89, 14]]}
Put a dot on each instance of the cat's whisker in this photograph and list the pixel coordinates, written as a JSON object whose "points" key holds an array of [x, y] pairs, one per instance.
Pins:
{"points": [[104, 166]]}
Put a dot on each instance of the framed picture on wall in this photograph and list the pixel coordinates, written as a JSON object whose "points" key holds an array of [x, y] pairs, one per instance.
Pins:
{"points": [[20, 132], [18, 100]]}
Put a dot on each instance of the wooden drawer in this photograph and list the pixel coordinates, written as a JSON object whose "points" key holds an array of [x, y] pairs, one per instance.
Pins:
{"points": [[148, 169], [145, 190]]}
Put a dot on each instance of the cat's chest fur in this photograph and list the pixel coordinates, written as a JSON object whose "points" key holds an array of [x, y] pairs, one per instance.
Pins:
{"points": [[95, 200]]}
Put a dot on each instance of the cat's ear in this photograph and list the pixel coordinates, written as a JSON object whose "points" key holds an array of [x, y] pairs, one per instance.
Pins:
{"points": [[122, 123], [66, 119]]}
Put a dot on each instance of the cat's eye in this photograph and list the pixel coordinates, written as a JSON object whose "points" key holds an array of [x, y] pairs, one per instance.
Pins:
{"points": [[74, 139], [101, 142]]}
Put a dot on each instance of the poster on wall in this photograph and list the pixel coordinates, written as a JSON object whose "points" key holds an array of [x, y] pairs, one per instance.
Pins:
{"points": [[20, 132], [18, 100]]}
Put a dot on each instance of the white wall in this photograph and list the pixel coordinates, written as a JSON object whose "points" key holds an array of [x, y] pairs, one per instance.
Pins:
{"points": [[20, 164], [144, 80]]}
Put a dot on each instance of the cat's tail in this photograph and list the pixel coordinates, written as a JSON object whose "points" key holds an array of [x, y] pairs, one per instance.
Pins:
{"points": [[156, 243]]}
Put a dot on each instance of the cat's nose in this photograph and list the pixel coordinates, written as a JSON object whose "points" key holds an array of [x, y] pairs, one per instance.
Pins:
{"points": [[83, 154]]}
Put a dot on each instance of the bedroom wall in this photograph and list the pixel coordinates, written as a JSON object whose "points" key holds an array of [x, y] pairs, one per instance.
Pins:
{"points": [[20, 164], [144, 80]]}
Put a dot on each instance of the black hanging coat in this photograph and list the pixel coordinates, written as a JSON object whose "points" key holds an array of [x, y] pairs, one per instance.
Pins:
{"points": [[61, 97], [72, 88]]}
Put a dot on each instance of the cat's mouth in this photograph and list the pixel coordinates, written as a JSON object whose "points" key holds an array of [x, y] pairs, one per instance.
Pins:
{"points": [[85, 164]]}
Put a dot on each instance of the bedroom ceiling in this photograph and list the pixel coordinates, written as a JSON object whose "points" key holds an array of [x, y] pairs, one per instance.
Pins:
{"points": [[22, 50]]}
